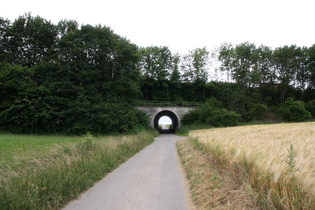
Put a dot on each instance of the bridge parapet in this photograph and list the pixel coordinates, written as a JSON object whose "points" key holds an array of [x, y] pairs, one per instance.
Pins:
{"points": [[169, 104]]}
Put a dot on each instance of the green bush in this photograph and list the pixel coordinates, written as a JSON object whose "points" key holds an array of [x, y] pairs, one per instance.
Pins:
{"points": [[258, 112], [310, 106], [191, 117], [295, 111], [211, 114], [222, 117]]}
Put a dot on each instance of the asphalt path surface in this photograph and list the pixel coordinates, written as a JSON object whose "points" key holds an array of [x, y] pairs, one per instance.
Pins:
{"points": [[152, 179]]}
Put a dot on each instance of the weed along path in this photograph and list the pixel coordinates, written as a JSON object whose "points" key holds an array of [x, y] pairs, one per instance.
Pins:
{"points": [[152, 179]]}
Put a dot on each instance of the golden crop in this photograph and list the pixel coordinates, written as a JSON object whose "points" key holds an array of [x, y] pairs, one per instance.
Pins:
{"points": [[266, 146]]}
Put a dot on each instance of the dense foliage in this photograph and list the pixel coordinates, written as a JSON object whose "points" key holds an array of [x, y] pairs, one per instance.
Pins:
{"points": [[268, 76], [76, 79], [211, 114], [295, 111], [65, 79], [310, 106]]}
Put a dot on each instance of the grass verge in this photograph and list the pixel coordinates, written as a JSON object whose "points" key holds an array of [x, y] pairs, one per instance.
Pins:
{"points": [[211, 185], [50, 176], [184, 130]]}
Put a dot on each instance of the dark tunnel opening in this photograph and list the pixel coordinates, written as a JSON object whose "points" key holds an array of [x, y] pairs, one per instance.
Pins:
{"points": [[173, 118]]}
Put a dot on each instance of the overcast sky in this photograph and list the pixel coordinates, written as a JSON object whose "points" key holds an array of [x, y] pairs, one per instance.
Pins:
{"points": [[184, 25]]}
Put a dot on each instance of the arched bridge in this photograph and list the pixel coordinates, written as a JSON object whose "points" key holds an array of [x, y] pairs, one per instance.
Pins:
{"points": [[175, 111]]}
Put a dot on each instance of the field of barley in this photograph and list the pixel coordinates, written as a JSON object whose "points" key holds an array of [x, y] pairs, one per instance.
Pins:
{"points": [[280, 158]]}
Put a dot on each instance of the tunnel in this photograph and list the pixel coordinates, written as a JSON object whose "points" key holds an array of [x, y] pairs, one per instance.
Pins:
{"points": [[169, 114]]}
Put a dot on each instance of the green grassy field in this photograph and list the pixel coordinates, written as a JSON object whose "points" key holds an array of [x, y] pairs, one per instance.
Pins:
{"points": [[15, 145], [46, 172]]}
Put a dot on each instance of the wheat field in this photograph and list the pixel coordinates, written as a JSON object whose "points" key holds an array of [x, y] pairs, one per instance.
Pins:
{"points": [[267, 148]]}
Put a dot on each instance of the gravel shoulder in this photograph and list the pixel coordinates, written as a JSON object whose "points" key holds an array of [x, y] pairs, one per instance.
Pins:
{"points": [[152, 179]]}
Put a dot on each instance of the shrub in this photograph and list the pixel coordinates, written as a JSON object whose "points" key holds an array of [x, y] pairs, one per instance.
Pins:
{"points": [[191, 117], [229, 118], [222, 117], [258, 112], [310, 106], [211, 114], [295, 111]]}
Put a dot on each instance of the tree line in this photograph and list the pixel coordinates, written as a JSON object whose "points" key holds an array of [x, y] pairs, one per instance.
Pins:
{"points": [[257, 81], [75, 79], [67, 79], [267, 76]]}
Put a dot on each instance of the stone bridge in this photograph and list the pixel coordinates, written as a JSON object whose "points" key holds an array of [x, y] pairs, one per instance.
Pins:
{"points": [[175, 113]]}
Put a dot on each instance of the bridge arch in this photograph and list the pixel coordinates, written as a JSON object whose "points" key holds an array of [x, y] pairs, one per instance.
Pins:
{"points": [[171, 115], [176, 113]]}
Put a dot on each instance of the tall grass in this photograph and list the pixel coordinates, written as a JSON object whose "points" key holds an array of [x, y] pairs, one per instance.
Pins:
{"points": [[277, 160], [211, 185], [58, 173]]}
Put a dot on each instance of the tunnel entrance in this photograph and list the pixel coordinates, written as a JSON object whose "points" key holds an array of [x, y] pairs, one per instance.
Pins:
{"points": [[169, 128]]}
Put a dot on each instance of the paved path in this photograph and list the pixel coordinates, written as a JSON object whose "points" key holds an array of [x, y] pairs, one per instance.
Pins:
{"points": [[149, 180]]}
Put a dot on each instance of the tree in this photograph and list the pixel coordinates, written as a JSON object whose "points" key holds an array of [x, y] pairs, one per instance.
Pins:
{"points": [[105, 63], [5, 25], [156, 63], [200, 64], [265, 71], [226, 57], [175, 78], [311, 66], [91, 83], [287, 65], [265, 65], [215, 74], [156, 66], [31, 40], [243, 65], [194, 68], [67, 26]]}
